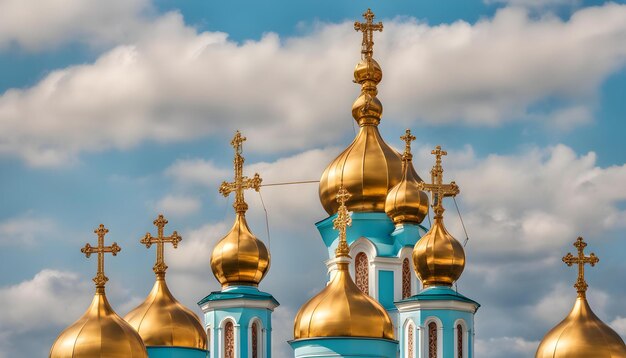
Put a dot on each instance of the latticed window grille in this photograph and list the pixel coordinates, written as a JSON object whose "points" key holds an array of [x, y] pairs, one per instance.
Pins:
{"points": [[406, 279], [432, 340], [255, 341], [411, 350], [361, 270], [459, 341], [229, 340]]}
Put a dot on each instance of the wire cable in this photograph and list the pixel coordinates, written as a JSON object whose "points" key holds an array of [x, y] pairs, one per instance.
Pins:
{"points": [[462, 223], [291, 183], [267, 223]]}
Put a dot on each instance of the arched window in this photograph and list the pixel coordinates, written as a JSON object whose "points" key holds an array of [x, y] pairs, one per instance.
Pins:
{"points": [[406, 278], [459, 341], [361, 270], [229, 340], [411, 344], [432, 340], [255, 340]]}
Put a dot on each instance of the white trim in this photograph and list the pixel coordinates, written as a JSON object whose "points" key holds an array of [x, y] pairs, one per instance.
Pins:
{"points": [[464, 329], [408, 323], [407, 253], [439, 324], [239, 303], [260, 343], [365, 246], [220, 347], [437, 305]]}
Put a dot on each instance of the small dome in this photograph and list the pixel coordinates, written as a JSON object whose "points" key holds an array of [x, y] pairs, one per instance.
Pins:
{"points": [[342, 310], [438, 258], [240, 258], [100, 332], [581, 335], [162, 321], [406, 203], [368, 70]]}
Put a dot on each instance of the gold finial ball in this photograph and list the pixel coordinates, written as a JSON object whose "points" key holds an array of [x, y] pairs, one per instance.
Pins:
{"points": [[367, 109], [368, 70], [438, 258], [406, 203]]}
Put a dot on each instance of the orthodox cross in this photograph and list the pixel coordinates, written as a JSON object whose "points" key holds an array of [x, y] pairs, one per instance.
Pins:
{"points": [[581, 260], [241, 182], [342, 221], [368, 27], [160, 267], [407, 138], [438, 189], [100, 279]]}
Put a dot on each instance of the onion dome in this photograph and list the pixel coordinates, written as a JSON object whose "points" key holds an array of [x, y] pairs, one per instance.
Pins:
{"points": [[100, 332], [161, 320], [341, 309], [406, 203], [438, 258], [369, 167], [240, 258], [581, 334]]}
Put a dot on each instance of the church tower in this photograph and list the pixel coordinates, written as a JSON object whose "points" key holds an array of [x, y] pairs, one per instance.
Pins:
{"points": [[384, 227], [167, 328], [438, 322], [238, 317]]}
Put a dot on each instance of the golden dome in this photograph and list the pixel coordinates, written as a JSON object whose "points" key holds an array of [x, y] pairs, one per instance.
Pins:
{"points": [[438, 258], [341, 309], [581, 334], [162, 321], [100, 332], [368, 168], [405, 201], [240, 258]]}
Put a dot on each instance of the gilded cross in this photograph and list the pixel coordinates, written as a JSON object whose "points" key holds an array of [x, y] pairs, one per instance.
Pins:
{"points": [[342, 221], [581, 260], [407, 138], [438, 189], [367, 28], [100, 279], [241, 182], [160, 267]]}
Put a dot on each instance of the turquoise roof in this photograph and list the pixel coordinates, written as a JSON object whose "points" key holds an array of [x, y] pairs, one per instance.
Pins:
{"points": [[238, 292], [440, 293]]}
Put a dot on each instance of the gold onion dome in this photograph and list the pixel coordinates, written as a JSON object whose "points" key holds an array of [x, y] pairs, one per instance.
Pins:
{"points": [[406, 203], [438, 258], [369, 167], [341, 309], [100, 332], [240, 258], [581, 334], [161, 320]]}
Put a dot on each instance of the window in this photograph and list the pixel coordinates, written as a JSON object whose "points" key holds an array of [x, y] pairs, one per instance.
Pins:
{"points": [[411, 345], [229, 340], [459, 341], [406, 278], [255, 340], [361, 270], [432, 340]]}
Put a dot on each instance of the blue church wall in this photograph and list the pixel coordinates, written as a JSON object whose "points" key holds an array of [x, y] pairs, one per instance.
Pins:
{"points": [[386, 289], [344, 347], [176, 352]]}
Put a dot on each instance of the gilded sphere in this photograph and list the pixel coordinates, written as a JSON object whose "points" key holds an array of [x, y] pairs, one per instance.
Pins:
{"points": [[368, 70], [162, 321], [240, 258], [438, 258], [581, 335], [367, 109], [367, 169], [406, 203], [342, 310], [100, 332]]}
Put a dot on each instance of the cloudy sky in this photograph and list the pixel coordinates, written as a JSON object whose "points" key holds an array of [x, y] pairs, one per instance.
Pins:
{"points": [[114, 111]]}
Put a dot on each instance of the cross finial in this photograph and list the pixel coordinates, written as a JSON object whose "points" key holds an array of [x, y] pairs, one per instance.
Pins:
{"points": [[240, 182], [160, 267], [341, 222], [368, 27], [438, 189], [581, 260], [407, 138], [100, 280]]}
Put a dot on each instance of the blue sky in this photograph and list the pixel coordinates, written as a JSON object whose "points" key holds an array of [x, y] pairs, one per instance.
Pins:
{"points": [[115, 111]]}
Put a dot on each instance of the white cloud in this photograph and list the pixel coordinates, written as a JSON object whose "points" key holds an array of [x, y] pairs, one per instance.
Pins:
{"points": [[43, 24], [176, 205], [619, 325], [511, 347], [197, 171], [177, 84], [535, 3], [25, 230]]}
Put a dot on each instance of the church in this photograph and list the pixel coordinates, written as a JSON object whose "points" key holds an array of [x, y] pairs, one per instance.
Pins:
{"points": [[391, 270]]}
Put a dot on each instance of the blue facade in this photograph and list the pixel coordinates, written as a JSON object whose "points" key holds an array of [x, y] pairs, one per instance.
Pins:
{"points": [[176, 352], [245, 307], [344, 347]]}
